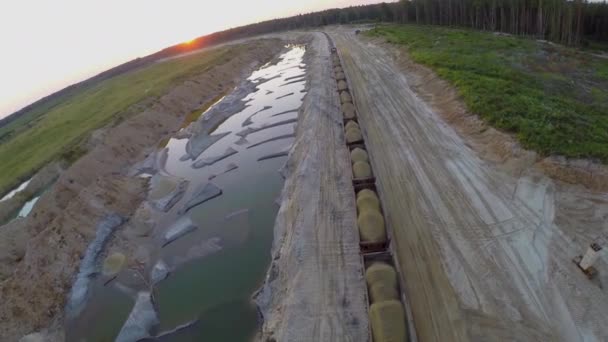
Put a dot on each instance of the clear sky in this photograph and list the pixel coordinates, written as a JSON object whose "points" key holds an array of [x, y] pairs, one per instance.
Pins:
{"points": [[49, 44]]}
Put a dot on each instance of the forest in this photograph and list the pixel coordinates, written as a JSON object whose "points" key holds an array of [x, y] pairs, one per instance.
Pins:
{"points": [[568, 22]]}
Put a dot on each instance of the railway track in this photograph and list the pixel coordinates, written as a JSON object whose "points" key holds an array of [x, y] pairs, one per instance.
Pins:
{"points": [[390, 316]]}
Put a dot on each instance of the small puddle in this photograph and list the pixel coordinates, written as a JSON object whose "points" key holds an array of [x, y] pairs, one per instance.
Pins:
{"points": [[15, 190], [27, 207], [215, 268]]}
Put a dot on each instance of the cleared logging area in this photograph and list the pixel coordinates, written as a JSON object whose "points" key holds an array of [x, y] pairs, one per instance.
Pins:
{"points": [[554, 98], [58, 131]]}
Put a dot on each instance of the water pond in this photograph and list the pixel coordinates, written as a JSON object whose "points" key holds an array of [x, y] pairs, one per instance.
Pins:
{"points": [[215, 268]]}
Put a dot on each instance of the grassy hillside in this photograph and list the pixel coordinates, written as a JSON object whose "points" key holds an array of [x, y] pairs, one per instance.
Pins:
{"points": [[50, 131], [555, 99]]}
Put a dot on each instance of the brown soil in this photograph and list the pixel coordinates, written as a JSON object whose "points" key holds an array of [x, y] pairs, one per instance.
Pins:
{"points": [[63, 222]]}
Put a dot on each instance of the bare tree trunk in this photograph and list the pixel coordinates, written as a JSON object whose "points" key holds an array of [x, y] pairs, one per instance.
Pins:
{"points": [[579, 19], [540, 31]]}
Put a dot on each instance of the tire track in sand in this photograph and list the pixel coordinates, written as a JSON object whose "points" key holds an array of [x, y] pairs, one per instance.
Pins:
{"points": [[444, 205]]}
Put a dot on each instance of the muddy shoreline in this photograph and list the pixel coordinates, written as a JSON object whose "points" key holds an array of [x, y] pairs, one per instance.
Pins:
{"points": [[98, 184]]}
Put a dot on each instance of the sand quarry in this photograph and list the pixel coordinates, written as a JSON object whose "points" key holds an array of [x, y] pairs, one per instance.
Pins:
{"points": [[481, 233]]}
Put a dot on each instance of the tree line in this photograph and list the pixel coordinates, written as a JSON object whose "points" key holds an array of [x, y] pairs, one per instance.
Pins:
{"points": [[570, 22]]}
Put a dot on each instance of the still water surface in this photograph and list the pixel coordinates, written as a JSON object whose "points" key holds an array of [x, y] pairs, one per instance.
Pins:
{"points": [[215, 289]]}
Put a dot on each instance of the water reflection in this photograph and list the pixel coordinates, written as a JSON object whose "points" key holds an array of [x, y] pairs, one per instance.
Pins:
{"points": [[215, 268]]}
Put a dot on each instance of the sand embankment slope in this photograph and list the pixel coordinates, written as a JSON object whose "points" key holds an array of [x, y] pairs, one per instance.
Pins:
{"points": [[315, 289]]}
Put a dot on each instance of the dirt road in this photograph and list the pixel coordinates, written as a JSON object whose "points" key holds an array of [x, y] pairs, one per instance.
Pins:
{"points": [[484, 255], [315, 289]]}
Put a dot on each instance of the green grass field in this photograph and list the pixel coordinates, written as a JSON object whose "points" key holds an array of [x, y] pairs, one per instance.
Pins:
{"points": [[45, 134], [555, 99]]}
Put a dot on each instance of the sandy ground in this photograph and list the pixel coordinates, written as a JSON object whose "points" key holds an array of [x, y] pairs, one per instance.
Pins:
{"points": [[484, 245], [315, 289], [64, 220], [484, 239]]}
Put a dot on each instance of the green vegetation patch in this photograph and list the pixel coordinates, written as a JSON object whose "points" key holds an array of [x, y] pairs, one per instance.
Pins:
{"points": [[56, 130], [552, 97]]}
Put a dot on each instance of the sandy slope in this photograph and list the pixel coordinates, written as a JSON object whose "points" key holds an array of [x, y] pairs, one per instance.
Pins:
{"points": [[315, 289], [485, 255]]}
